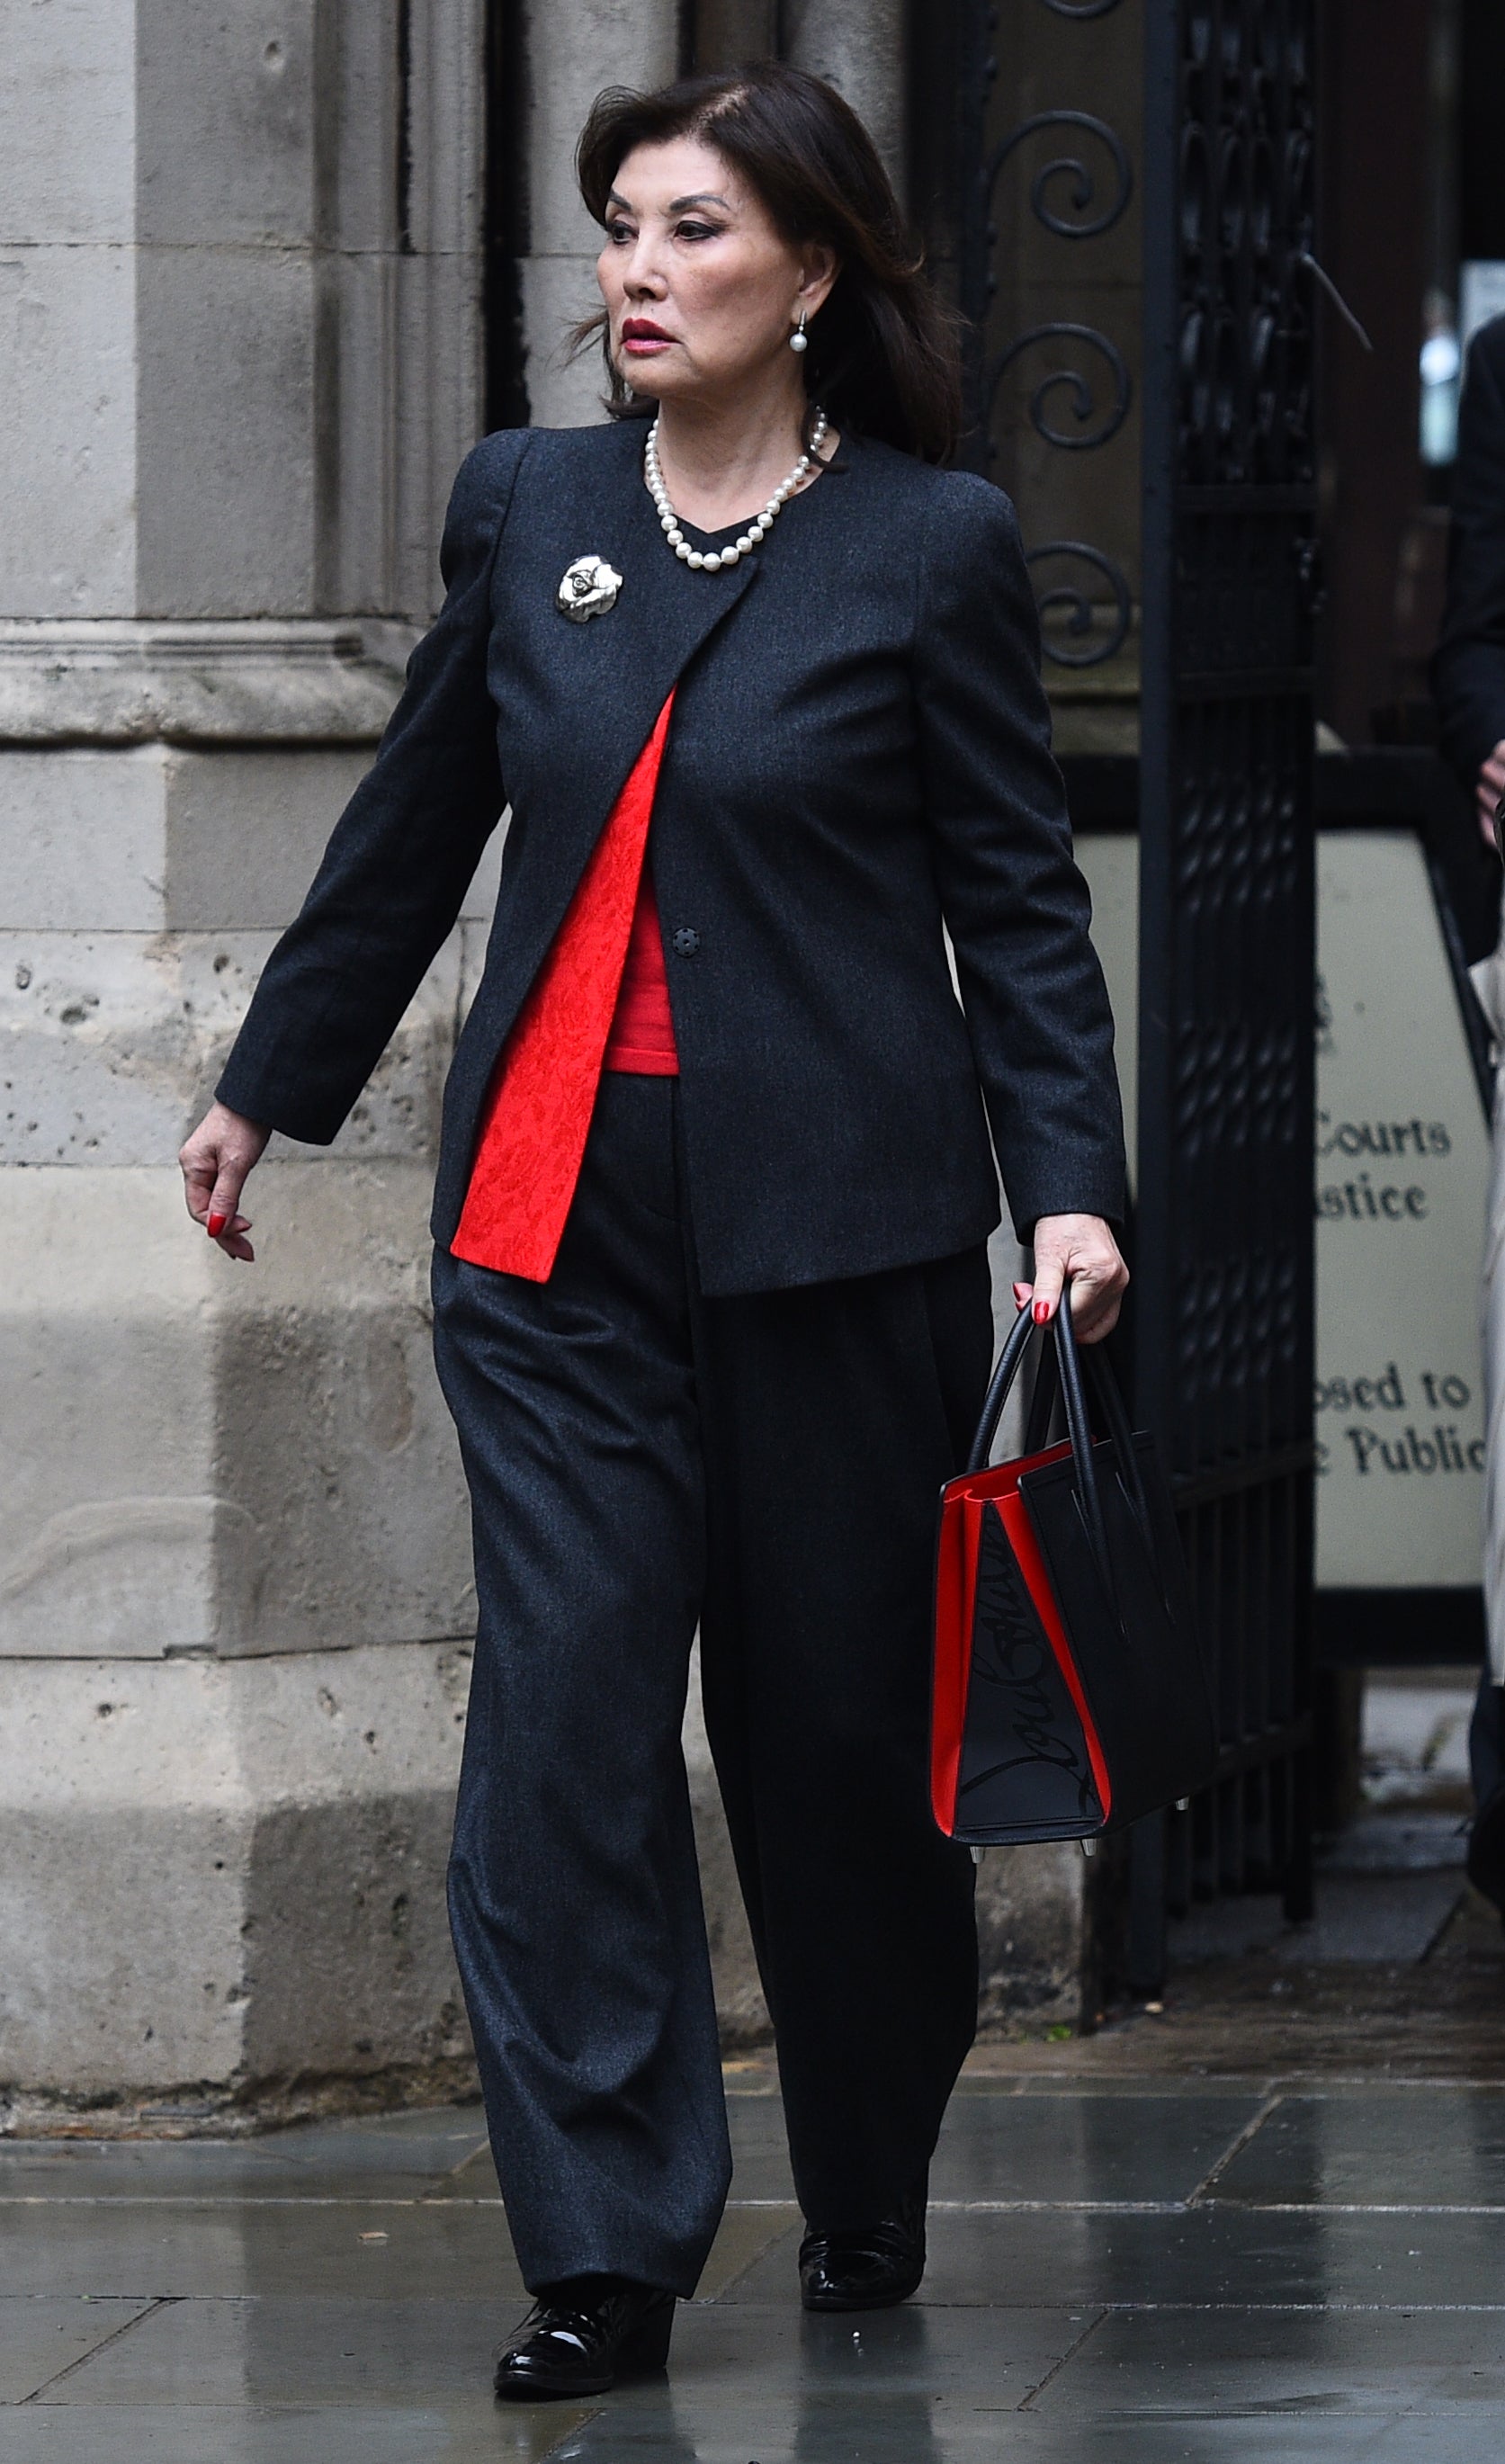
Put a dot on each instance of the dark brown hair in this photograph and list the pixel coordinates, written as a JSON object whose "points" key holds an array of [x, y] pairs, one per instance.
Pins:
{"points": [[883, 359]]}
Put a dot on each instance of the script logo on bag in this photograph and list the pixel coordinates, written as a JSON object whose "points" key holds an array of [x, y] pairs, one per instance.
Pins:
{"points": [[1025, 1745]]}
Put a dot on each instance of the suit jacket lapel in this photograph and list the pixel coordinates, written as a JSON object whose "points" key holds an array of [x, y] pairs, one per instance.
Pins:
{"points": [[607, 680]]}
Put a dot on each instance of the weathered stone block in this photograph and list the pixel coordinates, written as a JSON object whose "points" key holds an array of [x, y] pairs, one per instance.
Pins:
{"points": [[268, 683], [111, 1043], [68, 67], [557, 291], [245, 831], [1034, 1937], [83, 836], [226, 438], [224, 1884], [225, 111], [609, 42], [67, 431], [860, 46], [211, 1458], [144, 838]]}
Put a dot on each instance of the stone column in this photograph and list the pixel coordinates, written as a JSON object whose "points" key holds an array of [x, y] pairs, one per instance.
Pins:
{"points": [[238, 293], [859, 45], [573, 50], [729, 32]]}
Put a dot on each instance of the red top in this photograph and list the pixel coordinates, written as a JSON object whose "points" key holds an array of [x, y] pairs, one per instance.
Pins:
{"points": [[543, 1092], [642, 1037]]}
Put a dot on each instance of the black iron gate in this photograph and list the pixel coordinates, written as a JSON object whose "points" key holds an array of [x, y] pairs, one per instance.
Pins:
{"points": [[1214, 357], [1223, 1349]]}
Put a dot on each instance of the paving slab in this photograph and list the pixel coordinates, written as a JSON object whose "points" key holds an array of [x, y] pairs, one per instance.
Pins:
{"points": [[1279, 2362], [1243, 2256], [420, 2155], [1363, 1918], [1098, 2148], [746, 2236], [40, 2336], [1121, 2273], [432, 2250], [279, 2352], [224, 2435], [300, 2350], [1026, 2148], [658, 2426], [1398, 1843], [475, 2178], [161, 2250], [1274, 2019], [1448, 2148]]}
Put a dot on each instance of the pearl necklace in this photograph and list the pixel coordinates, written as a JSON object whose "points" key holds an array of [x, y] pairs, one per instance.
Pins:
{"points": [[756, 531]]}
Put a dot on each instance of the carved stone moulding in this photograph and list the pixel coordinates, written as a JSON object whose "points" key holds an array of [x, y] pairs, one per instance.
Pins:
{"points": [[136, 680]]}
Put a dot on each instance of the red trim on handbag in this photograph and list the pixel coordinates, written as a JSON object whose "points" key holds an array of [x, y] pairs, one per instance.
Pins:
{"points": [[964, 1503]]}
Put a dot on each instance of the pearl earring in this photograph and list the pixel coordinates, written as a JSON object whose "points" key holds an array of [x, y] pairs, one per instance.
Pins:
{"points": [[799, 339]]}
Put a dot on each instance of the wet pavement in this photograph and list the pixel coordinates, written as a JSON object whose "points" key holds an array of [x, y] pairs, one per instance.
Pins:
{"points": [[1127, 2269]]}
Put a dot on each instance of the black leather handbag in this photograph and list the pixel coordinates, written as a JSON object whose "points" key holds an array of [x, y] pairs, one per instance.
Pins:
{"points": [[1070, 1691]]}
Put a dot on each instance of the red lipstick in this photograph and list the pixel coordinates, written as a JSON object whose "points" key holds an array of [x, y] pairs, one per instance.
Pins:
{"points": [[643, 338]]}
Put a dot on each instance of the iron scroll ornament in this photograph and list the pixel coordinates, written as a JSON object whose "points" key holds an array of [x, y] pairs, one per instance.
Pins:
{"points": [[1071, 598], [1086, 439], [1089, 632], [1071, 164]]}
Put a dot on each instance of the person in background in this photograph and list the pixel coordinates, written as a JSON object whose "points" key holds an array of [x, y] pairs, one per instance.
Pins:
{"points": [[1469, 686]]}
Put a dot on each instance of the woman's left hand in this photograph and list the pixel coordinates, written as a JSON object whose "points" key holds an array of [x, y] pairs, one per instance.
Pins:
{"points": [[1081, 1247]]}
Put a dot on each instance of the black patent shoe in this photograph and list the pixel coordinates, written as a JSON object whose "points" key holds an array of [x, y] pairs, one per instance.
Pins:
{"points": [[866, 2267], [581, 2338]]}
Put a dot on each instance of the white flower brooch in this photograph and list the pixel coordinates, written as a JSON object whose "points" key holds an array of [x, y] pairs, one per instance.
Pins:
{"points": [[590, 588]]}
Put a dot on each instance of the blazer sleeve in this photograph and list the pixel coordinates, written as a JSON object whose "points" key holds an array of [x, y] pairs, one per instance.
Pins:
{"points": [[1469, 669], [402, 855], [1015, 904]]}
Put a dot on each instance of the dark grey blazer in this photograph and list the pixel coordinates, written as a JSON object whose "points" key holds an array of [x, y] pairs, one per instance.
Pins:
{"points": [[860, 747]]}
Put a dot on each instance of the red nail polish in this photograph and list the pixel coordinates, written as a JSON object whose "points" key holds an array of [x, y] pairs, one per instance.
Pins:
{"points": [[1042, 1312], [216, 1225]]}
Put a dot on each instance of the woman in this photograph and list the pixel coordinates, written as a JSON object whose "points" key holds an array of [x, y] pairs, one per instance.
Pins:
{"points": [[711, 1292]]}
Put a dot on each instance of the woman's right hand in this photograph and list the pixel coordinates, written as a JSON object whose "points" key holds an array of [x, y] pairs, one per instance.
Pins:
{"points": [[216, 1162]]}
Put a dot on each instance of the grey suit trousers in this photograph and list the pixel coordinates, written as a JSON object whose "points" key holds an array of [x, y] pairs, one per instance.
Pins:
{"points": [[641, 1459]]}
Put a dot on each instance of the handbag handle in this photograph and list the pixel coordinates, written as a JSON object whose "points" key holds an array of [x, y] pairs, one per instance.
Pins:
{"points": [[1115, 1419], [1078, 1422], [999, 1386], [1121, 1438], [1043, 1402]]}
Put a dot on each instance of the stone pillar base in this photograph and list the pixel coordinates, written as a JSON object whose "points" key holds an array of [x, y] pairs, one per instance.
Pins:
{"points": [[236, 1604], [224, 1903]]}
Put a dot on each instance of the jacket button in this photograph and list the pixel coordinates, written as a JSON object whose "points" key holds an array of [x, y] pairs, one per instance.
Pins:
{"points": [[686, 942]]}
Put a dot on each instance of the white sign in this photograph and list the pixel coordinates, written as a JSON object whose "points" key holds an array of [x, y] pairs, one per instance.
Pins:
{"points": [[1402, 1184], [1402, 1166]]}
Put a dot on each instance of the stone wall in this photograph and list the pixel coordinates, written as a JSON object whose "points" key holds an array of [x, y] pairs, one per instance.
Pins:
{"points": [[240, 297], [239, 283]]}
